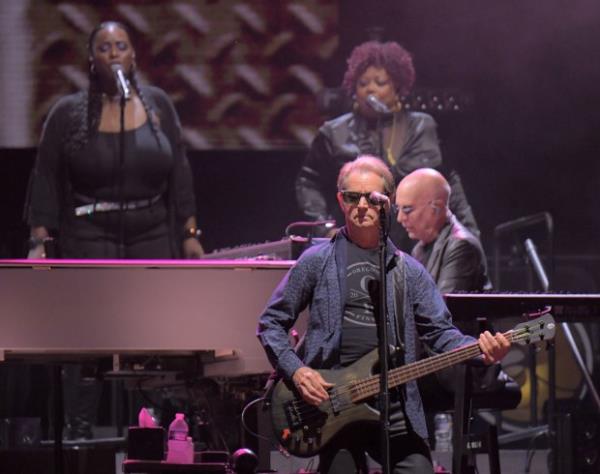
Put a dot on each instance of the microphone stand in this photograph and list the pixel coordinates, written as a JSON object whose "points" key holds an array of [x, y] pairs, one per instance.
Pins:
{"points": [[120, 177], [384, 351], [380, 136]]}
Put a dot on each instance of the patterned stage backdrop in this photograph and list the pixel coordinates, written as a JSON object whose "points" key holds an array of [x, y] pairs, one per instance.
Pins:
{"points": [[242, 74]]}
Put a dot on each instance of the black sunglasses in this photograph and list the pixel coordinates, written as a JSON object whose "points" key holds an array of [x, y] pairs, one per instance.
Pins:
{"points": [[354, 197]]}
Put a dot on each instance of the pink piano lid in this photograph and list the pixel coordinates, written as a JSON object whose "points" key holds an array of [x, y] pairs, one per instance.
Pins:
{"points": [[115, 263]]}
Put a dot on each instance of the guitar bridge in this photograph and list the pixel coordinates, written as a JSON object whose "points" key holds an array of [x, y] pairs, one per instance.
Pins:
{"points": [[301, 415]]}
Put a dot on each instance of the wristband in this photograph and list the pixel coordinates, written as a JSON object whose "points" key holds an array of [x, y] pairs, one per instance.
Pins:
{"points": [[36, 242], [192, 233]]}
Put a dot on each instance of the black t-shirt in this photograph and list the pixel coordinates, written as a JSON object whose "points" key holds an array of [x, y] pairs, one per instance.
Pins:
{"points": [[359, 327]]}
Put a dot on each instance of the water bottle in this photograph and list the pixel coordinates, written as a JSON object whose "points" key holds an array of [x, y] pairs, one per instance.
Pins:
{"points": [[443, 431], [180, 446]]}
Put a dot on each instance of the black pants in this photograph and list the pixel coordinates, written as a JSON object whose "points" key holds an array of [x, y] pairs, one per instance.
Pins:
{"points": [[409, 454], [136, 234]]}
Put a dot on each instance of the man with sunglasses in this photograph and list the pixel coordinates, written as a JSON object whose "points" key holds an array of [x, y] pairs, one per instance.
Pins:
{"points": [[338, 282]]}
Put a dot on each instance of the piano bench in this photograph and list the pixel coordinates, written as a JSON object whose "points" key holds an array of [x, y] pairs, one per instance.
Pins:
{"points": [[453, 389], [437, 395]]}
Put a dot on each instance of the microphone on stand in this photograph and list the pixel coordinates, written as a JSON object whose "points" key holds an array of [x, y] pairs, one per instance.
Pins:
{"points": [[377, 105], [379, 198], [122, 82]]}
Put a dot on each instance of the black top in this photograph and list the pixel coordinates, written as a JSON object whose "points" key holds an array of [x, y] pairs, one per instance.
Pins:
{"points": [[145, 172]]}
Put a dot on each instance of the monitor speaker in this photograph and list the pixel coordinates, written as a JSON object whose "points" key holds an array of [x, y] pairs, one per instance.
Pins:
{"points": [[20, 432], [578, 443]]}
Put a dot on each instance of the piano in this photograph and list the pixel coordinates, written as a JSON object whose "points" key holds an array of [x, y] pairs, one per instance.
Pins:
{"points": [[53, 308], [565, 307], [288, 248], [60, 310]]}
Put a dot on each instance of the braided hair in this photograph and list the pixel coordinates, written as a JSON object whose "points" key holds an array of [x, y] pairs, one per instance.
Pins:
{"points": [[84, 118], [150, 113]]}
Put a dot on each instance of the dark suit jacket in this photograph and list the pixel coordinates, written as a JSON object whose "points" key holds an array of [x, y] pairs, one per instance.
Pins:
{"points": [[456, 261]]}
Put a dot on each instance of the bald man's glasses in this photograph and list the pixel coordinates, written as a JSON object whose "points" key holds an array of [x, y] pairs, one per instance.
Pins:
{"points": [[354, 197], [407, 210]]}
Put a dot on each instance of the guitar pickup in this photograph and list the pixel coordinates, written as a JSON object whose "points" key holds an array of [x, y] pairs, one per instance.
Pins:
{"points": [[334, 399], [292, 414]]}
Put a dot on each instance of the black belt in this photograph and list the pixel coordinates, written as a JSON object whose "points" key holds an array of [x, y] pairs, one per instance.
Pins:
{"points": [[109, 206]]}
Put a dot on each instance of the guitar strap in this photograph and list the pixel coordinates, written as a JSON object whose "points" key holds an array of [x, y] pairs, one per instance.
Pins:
{"points": [[399, 297]]}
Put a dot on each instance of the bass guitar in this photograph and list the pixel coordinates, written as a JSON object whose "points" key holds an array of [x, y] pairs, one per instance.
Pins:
{"points": [[303, 429]]}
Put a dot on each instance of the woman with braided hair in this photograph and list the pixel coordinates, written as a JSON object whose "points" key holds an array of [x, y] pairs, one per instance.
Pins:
{"points": [[99, 205], [100, 202]]}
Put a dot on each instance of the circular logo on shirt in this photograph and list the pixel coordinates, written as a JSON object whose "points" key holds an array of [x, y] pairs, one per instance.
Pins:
{"points": [[363, 286]]}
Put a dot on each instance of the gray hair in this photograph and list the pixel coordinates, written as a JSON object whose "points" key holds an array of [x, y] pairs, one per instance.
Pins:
{"points": [[367, 163]]}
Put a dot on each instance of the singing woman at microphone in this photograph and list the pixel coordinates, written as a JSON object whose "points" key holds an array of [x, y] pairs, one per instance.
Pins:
{"points": [[107, 185], [378, 75]]}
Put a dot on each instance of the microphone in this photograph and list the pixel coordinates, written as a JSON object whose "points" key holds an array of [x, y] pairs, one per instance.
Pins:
{"points": [[379, 198], [525, 221], [377, 105], [122, 82]]}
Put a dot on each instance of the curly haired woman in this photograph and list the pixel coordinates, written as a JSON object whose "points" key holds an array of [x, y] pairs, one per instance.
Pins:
{"points": [[378, 75]]}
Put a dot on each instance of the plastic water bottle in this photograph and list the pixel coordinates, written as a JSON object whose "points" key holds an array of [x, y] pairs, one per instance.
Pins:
{"points": [[443, 431], [180, 446]]}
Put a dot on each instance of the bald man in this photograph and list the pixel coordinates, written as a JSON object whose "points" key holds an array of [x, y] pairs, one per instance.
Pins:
{"points": [[450, 253]]}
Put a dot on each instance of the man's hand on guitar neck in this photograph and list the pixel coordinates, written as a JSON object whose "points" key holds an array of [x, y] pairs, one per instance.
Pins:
{"points": [[311, 385], [494, 348]]}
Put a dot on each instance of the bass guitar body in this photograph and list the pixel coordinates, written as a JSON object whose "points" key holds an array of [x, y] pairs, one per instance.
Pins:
{"points": [[304, 429]]}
